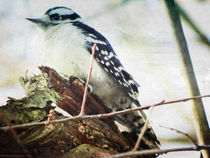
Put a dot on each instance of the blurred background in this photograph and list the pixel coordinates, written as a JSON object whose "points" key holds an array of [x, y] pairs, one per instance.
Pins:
{"points": [[140, 33]]}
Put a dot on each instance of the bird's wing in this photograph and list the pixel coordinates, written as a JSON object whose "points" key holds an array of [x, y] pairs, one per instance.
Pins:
{"points": [[107, 58]]}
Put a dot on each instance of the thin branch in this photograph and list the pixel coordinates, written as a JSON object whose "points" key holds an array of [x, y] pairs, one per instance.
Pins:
{"points": [[103, 115], [180, 132], [143, 131], [159, 151], [137, 145], [82, 112], [149, 106]]}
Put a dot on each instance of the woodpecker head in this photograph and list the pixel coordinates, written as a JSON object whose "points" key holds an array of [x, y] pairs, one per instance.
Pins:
{"points": [[55, 16]]}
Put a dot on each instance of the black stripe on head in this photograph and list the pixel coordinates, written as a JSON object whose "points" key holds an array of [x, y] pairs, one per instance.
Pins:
{"points": [[72, 16]]}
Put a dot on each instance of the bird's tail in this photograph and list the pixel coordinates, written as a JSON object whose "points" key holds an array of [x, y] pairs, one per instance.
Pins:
{"points": [[133, 123]]}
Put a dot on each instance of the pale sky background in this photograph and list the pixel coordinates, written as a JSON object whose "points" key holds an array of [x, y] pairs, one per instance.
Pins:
{"points": [[140, 34]]}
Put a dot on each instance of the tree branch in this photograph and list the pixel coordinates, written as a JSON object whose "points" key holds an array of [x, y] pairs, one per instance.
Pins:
{"points": [[159, 151], [104, 115]]}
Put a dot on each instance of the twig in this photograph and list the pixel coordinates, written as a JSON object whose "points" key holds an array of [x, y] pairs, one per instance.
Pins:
{"points": [[82, 112], [142, 131], [103, 115], [163, 102], [158, 151], [137, 145], [180, 132]]}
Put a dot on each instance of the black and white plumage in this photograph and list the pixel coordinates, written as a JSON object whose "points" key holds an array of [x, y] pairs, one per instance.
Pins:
{"points": [[69, 42]]}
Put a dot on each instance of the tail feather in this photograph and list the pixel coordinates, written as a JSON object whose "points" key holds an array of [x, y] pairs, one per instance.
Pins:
{"points": [[133, 122]]}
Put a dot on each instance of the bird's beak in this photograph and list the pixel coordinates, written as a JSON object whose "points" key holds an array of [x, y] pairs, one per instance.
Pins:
{"points": [[36, 21], [41, 22]]}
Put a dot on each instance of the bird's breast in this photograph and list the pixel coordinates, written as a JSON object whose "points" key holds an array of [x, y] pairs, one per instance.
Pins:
{"points": [[65, 51]]}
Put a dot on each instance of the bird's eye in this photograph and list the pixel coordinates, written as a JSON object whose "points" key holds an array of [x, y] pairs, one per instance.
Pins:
{"points": [[55, 17]]}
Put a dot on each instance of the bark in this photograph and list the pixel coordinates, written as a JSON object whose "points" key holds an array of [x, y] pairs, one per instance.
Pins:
{"points": [[84, 138]]}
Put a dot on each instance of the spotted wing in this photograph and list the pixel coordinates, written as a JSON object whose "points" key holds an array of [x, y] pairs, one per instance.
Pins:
{"points": [[107, 58]]}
